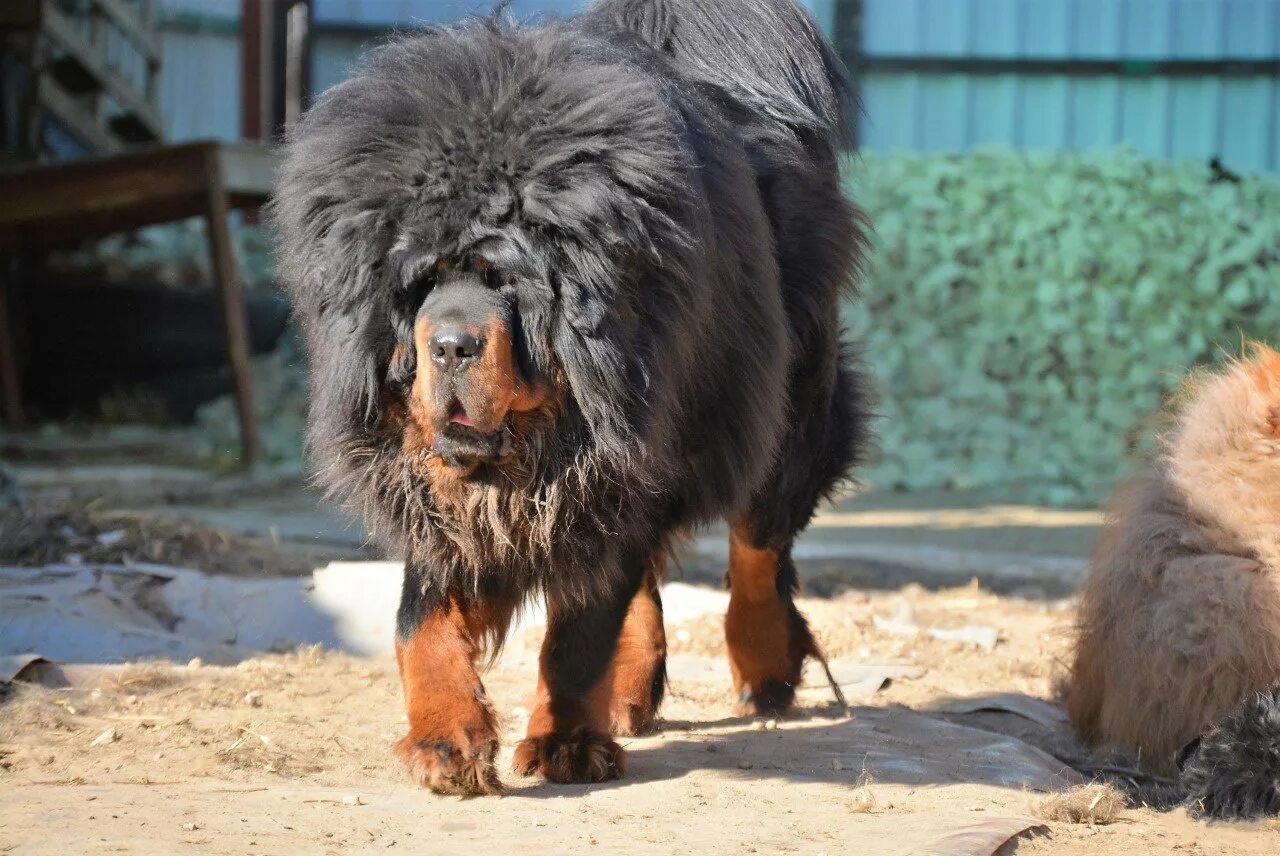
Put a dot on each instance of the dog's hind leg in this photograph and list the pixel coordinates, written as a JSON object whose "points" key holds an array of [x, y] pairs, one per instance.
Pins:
{"points": [[766, 636], [640, 663]]}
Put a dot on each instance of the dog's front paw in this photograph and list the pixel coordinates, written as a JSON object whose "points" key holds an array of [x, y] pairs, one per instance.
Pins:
{"points": [[582, 756], [462, 765]]}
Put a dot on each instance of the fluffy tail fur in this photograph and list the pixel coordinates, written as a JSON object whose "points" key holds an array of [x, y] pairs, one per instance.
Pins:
{"points": [[768, 54]]}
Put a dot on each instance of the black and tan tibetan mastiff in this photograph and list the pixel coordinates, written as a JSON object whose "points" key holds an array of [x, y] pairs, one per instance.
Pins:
{"points": [[569, 290]]}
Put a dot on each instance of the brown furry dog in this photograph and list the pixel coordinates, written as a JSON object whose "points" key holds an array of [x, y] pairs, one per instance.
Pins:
{"points": [[1180, 618]]}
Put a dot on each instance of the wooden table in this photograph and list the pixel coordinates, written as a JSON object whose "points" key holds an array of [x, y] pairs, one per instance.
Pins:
{"points": [[45, 207]]}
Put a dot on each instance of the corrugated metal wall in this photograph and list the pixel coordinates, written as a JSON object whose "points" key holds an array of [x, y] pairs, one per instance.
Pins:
{"points": [[1237, 118], [1183, 117], [334, 53], [200, 85]]}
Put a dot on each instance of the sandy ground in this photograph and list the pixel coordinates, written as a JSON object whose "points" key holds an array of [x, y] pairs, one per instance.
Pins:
{"points": [[290, 753]]}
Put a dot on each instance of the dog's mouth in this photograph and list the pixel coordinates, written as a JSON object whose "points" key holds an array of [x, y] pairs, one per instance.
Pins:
{"points": [[464, 447], [458, 415]]}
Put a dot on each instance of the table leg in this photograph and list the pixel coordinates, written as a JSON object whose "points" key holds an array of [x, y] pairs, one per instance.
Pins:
{"points": [[10, 376], [234, 319]]}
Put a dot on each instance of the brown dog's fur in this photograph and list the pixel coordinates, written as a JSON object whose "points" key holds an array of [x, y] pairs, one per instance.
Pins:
{"points": [[453, 732], [766, 638], [1180, 618]]}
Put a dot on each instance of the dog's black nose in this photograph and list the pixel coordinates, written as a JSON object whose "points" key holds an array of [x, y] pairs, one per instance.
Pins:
{"points": [[453, 347]]}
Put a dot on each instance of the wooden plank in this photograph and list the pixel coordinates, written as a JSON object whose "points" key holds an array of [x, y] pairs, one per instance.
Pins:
{"points": [[54, 205], [62, 30], [19, 14], [248, 169], [75, 119], [127, 20], [72, 230], [107, 184], [231, 300]]}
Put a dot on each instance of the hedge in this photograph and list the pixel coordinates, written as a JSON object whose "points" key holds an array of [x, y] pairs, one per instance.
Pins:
{"points": [[1024, 314]]}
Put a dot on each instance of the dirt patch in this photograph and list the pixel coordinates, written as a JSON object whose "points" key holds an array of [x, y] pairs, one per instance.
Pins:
{"points": [[291, 753]]}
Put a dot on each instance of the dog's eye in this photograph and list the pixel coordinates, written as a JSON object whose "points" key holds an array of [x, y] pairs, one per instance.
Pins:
{"points": [[419, 287]]}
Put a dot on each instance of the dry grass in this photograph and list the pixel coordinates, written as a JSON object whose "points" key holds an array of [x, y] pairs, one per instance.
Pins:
{"points": [[52, 535], [864, 799], [36, 709], [140, 678], [251, 750], [1095, 804]]}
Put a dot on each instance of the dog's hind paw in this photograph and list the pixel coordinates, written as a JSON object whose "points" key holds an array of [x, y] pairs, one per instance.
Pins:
{"points": [[579, 757], [447, 768]]}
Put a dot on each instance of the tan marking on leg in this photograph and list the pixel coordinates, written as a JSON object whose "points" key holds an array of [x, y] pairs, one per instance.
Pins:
{"points": [[766, 638], [640, 661], [452, 739]]}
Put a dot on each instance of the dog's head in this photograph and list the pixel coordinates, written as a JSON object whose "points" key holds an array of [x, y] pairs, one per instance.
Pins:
{"points": [[466, 375], [485, 234]]}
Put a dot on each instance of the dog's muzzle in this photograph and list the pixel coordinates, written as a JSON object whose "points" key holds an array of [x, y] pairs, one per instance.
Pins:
{"points": [[468, 382]]}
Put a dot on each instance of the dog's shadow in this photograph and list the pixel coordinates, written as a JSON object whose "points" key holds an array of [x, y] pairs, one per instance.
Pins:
{"points": [[888, 745]]}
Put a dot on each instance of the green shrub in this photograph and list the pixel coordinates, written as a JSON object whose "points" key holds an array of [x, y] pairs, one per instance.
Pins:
{"points": [[1025, 314]]}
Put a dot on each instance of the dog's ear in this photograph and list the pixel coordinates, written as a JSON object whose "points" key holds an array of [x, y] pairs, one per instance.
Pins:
{"points": [[332, 261], [621, 268], [596, 341]]}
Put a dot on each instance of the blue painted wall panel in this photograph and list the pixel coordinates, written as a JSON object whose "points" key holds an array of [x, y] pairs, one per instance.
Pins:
{"points": [[1247, 103], [1094, 119], [1148, 28], [1046, 30], [200, 85], [1252, 28], [1196, 126], [997, 25], [996, 110], [891, 103], [1046, 112], [333, 57], [1144, 115], [1199, 29], [389, 13], [893, 28], [944, 125], [944, 28], [1236, 118], [1096, 28]]}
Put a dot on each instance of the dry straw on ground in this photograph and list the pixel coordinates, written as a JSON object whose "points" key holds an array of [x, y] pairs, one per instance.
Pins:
{"points": [[1094, 804], [140, 678], [864, 800]]}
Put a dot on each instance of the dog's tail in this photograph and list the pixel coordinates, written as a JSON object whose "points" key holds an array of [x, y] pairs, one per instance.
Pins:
{"points": [[1233, 770], [768, 54]]}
